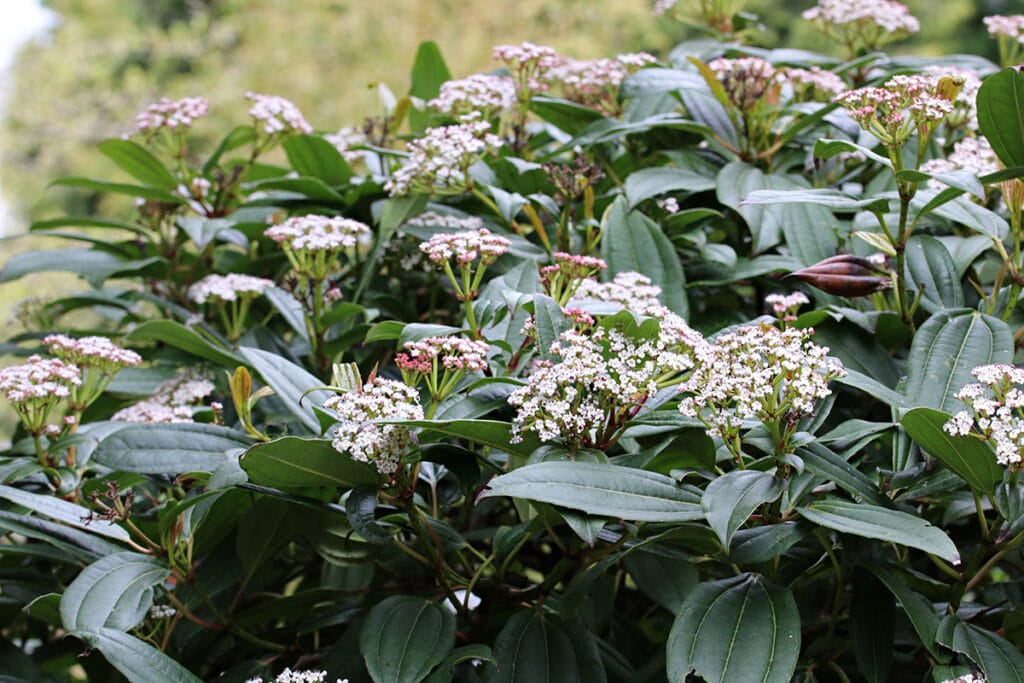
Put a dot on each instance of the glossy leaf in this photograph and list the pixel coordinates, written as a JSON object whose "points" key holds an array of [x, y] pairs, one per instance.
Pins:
{"points": [[997, 657], [830, 466], [652, 182], [315, 157], [171, 448], [666, 577], [291, 384], [764, 543], [1000, 102], [114, 592], [945, 350], [567, 116], [180, 337], [930, 269], [972, 460], [535, 646], [293, 462], [262, 531], [884, 524], [604, 490], [404, 637], [429, 72], [137, 660], [493, 433], [63, 511], [138, 162], [736, 630], [918, 609], [731, 498]]}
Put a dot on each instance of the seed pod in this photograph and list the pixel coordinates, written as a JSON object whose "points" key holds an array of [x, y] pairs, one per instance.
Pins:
{"points": [[844, 275]]}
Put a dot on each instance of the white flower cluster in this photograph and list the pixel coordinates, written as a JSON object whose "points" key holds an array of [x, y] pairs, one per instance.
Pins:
{"points": [[347, 138], [230, 287], [439, 161], [275, 114], [455, 353], [814, 82], [39, 379], [173, 115], [88, 352], [173, 400], [883, 110], [785, 305], [758, 371], [633, 291], [970, 154], [289, 676], [366, 440], [892, 17], [443, 220], [996, 411], [466, 247], [592, 82], [162, 611], [604, 376], [528, 64], [482, 96], [968, 678], [1007, 26], [318, 233]]}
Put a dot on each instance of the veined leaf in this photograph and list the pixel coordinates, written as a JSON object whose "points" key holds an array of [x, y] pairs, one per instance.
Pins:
{"points": [[972, 460], [136, 161], [731, 498], [292, 462], [404, 637], [114, 592], [535, 646]]}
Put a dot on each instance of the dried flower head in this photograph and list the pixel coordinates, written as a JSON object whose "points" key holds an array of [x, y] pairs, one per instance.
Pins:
{"points": [[274, 115], [480, 96], [749, 82], [36, 386], [995, 411], [361, 435], [439, 161]]}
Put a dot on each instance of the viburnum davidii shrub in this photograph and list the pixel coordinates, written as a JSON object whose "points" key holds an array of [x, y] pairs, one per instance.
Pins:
{"points": [[618, 370]]}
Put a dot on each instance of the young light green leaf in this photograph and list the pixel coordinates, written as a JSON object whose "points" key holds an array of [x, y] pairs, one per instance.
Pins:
{"points": [[296, 387]]}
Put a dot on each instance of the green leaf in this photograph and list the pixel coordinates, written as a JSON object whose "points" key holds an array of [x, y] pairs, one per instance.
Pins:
{"points": [[290, 382], [466, 653], [290, 309], [114, 592], [964, 180], [919, 610], [314, 157], [359, 508], [88, 263], [741, 629], [549, 322], [657, 80], [171, 448], [429, 72], [873, 388], [63, 511], [831, 199], [652, 182], [180, 337], [139, 661], [966, 212], [1000, 659], [85, 222], [262, 531], [730, 499], [826, 149], [141, 191], [291, 462], [535, 646], [563, 114], [832, 467], [872, 521], [930, 269], [945, 350], [491, 433], [136, 161], [972, 460], [603, 490], [77, 544], [764, 543], [632, 242], [404, 637], [666, 577], [313, 188], [1000, 102], [393, 212], [872, 626]]}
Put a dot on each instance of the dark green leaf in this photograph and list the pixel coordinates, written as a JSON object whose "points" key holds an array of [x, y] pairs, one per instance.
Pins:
{"points": [[1000, 659], [741, 629], [930, 269], [314, 188], [668, 578], [535, 646], [603, 490], [142, 191], [139, 661], [315, 157], [971, 459], [764, 543], [89, 263], [567, 116], [136, 161], [732, 497], [63, 511], [262, 531], [549, 322], [919, 611], [1000, 102], [171, 448], [180, 337], [291, 462], [654, 81], [872, 626], [404, 637], [359, 508], [429, 72], [832, 467], [652, 182], [491, 433], [114, 592]]}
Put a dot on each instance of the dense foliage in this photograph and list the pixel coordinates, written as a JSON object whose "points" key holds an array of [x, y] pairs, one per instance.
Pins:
{"points": [[576, 370]]}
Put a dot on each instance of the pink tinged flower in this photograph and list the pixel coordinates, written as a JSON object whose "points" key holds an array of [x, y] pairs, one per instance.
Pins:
{"points": [[466, 247], [39, 379], [439, 161], [485, 95], [173, 400], [274, 114], [318, 233], [229, 287], [892, 17], [1006, 26], [786, 304], [88, 352], [454, 353], [347, 138], [172, 115]]}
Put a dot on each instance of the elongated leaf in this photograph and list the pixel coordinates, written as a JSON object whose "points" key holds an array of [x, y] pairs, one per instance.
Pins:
{"points": [[826, 149], [742, 629], [85, 222], [667, 578], [764, 543], [1000, 659], [77, 544], [139, 661], [142, 191], [314, 188], [1000, 103], [605, 490], [292, 462], [171, 448], [567, 116], [429, 72], [731, 498], [290, 383], [136, 161], [404, 637], [549, 322], [535, 646], [872, 626], [832, 467], [656, 80], [930, 269], [652, 182], [945, 350], [874, 388], [88, 263], [872, 521], [479, 652], [919, 611], [828, 198], [972, 460], [180, 337], [289, 308], [262, 531], [632, 242], [491, 433], [315, 157], [63, 511], [114, 592]]}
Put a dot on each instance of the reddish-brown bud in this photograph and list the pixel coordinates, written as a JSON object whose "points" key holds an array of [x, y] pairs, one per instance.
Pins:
{"points": [[844, 275]]}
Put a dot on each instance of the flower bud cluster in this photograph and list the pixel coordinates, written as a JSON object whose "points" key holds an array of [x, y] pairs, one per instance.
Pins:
{"points": [[91, 352], [595, 82], [173, 400], [312, 242], [444, 220], [480, 96], [230, 287], [965, 108], [995, 411], [528, 64], [785, 306], [814, 83], [632, 290], [562, 278], [757, 372], [274, 115], [347, 138], [358, 432], [891, 112], [454, 353], [36, 386], [172, 115], [466, 247], [865, 24], [439, 161], [1006, 26]]}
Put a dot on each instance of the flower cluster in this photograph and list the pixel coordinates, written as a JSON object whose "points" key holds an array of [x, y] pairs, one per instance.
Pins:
{"points": [[358, 432], [312, 242], [901, 105], [442, 362], [345, 139], [970, 154], [995, 411], [480, 96], [36, 386], [595, 82], [814, 83], [438, 162], [632, 290], [171, 115], [97, 358], [863, 25], [289, 676], [747, 80], [173, 400], [757, 372], [230, 287], [1007, 26], [968, 678], [965, 107], [274, 115], [562, 278], [528, 64], [785, 306], [466, 247], [603, 378], [445, 220]]}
